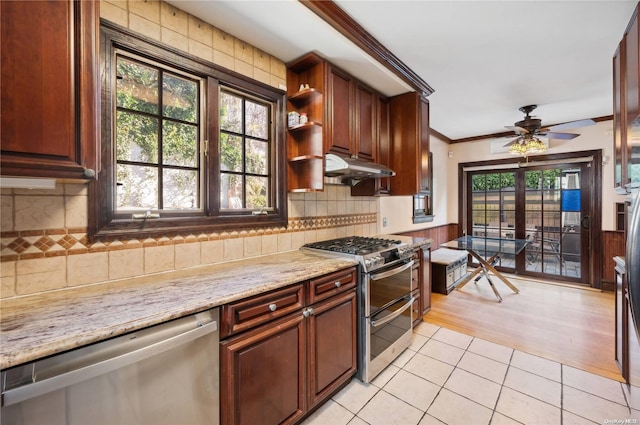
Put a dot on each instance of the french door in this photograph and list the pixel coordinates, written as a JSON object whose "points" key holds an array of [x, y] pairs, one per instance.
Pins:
{"points": [[550, 205]]}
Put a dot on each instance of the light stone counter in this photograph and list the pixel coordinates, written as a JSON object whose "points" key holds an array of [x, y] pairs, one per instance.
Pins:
{"points": [[36, 326]]}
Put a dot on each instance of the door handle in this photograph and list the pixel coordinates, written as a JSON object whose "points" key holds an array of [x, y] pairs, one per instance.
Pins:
{"points": [[585, 223]]}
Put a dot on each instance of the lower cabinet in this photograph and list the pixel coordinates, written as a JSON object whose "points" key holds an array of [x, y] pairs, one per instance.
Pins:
{"points": [[421, 284], [281, 369]]}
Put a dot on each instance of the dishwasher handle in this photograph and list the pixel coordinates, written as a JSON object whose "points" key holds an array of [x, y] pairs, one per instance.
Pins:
{"points": [[35, 389]]}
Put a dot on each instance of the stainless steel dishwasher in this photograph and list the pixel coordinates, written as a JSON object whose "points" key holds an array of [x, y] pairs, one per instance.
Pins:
{"points": [[165, 374]]}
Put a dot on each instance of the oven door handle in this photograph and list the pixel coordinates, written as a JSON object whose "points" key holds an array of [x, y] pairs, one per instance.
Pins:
{"points": [[387, 319], [391, 272]]}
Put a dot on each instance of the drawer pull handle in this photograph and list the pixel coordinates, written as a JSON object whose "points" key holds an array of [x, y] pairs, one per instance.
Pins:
{"points": [[273, 307], [338, 283]]}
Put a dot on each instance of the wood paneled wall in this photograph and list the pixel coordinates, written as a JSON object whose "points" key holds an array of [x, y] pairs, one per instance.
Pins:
{"points": [[439, 234]]}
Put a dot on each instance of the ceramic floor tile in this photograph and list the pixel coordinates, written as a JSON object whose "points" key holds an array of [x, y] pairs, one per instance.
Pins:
{"points": [[452, 408], [632, 394], [441, 351], [385, 376], [329, 413], [355, 395], [430, 369], [403, 358], [357, 421], [450, 337], [526, 409], [426, 329], [483, 366], [416, 391], [569, 418], [430, 420], [500, 419], [592, 407], [491, 350], [473, 387], [417, 341], [385, 409], [538, 365], [593, 384], [534, 385]]}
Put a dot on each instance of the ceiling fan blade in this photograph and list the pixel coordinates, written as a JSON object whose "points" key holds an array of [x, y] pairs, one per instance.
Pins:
{"points": [[513, 142], [559, 136], [572, 124], [517, 129]]}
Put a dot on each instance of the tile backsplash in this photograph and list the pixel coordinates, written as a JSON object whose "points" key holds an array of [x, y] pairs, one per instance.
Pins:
{"points": [[44, 243]]}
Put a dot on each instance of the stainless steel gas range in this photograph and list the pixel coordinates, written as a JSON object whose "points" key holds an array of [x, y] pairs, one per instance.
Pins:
{"points": [[384, 297]]}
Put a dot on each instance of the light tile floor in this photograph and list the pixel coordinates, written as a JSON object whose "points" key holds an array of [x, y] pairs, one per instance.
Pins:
{"points": [[451, 378]]}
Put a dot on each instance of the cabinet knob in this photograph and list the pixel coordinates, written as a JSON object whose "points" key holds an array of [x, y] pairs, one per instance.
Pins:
{"points": [[338, 283], [89, 173], [307, 312], [273, 307]]}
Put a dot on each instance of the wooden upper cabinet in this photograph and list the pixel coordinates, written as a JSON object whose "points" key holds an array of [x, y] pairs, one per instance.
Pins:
{"points": [[409, 124], [619, 106], [365, 123], [626, 105], [50, 88], [632, 100], [339, 133], [344, 119]]}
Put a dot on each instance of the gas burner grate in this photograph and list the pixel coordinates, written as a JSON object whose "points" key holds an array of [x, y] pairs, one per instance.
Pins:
{"points": [[356, 245]]}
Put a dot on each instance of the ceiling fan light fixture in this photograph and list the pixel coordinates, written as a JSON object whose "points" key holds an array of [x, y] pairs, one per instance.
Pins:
{"points": [[527, 146]]}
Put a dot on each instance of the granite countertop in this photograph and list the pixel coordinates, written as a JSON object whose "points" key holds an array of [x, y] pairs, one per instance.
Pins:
{"points": [[36, 326]]}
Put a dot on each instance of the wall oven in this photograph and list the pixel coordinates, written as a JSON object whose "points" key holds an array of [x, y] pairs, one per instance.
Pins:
{"points": [[384, 297]]}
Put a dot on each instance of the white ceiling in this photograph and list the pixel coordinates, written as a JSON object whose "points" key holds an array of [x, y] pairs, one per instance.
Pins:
{"points": [[484, 59]]}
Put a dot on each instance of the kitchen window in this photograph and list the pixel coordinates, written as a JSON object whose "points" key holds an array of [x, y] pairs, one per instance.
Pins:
{"points": [[187, 147]]}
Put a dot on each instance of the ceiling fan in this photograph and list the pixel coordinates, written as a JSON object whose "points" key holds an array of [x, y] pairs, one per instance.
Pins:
{"points": [[530, 128]]}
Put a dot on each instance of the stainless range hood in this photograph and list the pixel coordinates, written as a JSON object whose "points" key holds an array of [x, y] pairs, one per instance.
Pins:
{"points": [[351, 171]]}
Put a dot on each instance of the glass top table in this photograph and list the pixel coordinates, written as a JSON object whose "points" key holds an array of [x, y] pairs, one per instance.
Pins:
{"points": [[492, 248]]}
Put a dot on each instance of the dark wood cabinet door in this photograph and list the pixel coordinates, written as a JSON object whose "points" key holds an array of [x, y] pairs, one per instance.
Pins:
{"points": [[425, 288], [339, 136], [262, 374], [632, 101], [423, 147], [50, 88], [365, 124], [619, 130], [409, 123], [332, 345]]}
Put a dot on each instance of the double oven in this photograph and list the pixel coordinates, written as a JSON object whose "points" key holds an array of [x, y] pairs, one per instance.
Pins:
{"points": [[384, 297]]}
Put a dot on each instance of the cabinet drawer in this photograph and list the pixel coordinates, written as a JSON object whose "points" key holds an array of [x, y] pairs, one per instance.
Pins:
{"points": [[332, 284], [245, 314]]}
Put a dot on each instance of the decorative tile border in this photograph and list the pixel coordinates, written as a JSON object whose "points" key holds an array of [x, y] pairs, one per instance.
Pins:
{"points": [[24, 245]]}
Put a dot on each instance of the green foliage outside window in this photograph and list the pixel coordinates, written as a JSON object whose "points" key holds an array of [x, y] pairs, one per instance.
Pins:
{"points": [[157, 139]]}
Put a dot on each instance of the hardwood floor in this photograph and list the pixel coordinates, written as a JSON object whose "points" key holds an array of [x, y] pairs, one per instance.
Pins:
{"points": [[570, 325]]}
